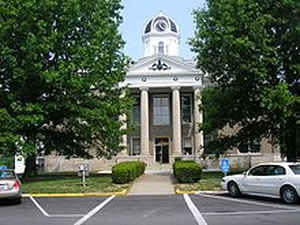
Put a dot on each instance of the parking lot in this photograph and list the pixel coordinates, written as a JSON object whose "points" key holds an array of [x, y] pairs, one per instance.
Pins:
{"points": [[146, 210]]}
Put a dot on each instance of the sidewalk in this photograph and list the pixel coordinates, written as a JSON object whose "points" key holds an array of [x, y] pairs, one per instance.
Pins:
{"points": [[153, 184]]}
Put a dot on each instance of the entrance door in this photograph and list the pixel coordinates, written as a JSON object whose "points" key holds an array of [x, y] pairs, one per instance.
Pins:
{"points": [[162, 150]]}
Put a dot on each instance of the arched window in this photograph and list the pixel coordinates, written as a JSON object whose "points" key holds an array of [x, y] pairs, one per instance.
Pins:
{"points": [[161, 48]]}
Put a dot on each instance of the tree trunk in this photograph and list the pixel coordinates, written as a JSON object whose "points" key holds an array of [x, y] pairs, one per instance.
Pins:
{"points": [[290, 139], [30, 164]]}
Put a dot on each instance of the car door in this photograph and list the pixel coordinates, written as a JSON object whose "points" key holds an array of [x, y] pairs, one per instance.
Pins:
{"points": [[252, 180], [272, 180]]}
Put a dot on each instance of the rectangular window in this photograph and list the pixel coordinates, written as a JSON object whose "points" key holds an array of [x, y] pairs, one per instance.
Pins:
{"points": [[208, 140], [186, 108], [136, 111], [135, 146], [251, 146], [187, 146], [161, 112]]}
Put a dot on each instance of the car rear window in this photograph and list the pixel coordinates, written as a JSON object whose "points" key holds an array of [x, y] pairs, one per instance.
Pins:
{"points": [[4, 174], [295, 169]]}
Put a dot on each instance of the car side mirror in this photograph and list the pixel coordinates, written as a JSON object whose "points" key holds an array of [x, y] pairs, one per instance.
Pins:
{"points": [[245, 173]]}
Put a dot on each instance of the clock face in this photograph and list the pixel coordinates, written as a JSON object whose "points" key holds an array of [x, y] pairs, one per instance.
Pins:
{"points": [[161, 25]]}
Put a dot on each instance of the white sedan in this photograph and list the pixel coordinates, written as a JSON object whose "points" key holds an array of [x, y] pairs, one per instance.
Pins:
{"points": [[280, 180]]}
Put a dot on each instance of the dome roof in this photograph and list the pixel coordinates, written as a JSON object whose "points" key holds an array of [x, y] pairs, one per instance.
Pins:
{"points": [[161, 23]]}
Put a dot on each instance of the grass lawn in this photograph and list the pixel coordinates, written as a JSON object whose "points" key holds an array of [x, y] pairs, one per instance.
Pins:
{"points": [[210, 181], [69, 183]]}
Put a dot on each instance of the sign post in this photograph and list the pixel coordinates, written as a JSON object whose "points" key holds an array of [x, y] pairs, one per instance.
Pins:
{"points": [[83, 172], [225, 166], [19, 165]]}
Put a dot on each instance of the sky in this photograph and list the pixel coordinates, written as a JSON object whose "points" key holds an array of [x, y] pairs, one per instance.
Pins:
{"points": [[137, 12]]}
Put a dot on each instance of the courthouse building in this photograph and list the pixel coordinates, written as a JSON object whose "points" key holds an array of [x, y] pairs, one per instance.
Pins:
{"points": [[167, 91]]}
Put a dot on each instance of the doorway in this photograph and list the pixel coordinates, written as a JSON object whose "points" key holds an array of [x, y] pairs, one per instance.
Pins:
{"points": [[162, 150]]}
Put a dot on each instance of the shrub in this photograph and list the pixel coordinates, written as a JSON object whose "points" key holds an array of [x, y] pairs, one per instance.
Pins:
{"points": [[187, 171], [125, 172]]}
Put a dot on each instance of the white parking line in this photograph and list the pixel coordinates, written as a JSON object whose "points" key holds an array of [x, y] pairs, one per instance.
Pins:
{"points": [[47, 214], [94, 211], [199, 218], [249, 212], [67, 216], [250, 202], [39, 207]]}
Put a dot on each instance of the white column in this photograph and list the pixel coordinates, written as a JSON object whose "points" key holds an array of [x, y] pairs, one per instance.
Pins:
{"points": [[198, 119], [123, 119], [144, 120], [177, 146]]}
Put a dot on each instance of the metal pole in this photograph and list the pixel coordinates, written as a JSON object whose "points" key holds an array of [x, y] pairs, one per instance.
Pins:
{"points": [[83, 178]]}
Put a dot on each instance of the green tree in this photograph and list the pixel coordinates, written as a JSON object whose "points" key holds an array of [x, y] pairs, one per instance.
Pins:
{"points": [[251, 50], [60, 66]]}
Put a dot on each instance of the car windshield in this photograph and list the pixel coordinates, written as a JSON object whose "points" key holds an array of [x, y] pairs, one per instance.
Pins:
{"points": [[295, 169], [6, 174]]}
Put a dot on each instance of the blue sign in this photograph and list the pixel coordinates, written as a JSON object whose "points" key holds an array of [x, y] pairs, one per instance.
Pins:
{"points": [[225, 165], [3, 167]]}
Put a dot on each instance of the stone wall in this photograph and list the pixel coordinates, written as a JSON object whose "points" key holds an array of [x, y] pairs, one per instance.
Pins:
{"points": [[238, 161], [60, 163]]}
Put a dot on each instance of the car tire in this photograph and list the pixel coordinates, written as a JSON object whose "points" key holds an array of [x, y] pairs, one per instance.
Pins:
{"points": [[233, 189], [289, 195], [17, 201]]}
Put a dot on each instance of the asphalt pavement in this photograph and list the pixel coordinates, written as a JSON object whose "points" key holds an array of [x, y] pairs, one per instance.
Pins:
{"points": [[150, 210]]}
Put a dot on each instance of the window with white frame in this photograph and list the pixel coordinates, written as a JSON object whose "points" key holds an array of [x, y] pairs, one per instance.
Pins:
{"points": [[186, 108], [161, 48], [208, 138], [250, 146], [136, 111], [187, 146], [135, 146], [161, 111]]}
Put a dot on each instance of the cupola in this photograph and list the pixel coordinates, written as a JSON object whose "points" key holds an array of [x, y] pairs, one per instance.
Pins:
{"points": [[161, 36]]}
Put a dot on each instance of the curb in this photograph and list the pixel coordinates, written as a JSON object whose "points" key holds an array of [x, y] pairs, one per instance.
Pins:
{"points": [[199, 192], [211, 192], [120, 193], [179, 192]]}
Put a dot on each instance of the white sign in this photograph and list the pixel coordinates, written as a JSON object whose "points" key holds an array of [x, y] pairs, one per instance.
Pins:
{"points": [[19, 164]]}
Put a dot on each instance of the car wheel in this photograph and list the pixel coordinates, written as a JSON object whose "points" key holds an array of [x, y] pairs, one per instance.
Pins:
{"points": [[17, 201], [234, 190], [289, 195]]}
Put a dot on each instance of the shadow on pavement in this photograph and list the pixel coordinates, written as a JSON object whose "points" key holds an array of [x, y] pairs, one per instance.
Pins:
{"points": [[258, 198]]}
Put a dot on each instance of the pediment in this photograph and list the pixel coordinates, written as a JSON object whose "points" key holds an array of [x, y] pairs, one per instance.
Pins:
{"points": [[159, 65]]}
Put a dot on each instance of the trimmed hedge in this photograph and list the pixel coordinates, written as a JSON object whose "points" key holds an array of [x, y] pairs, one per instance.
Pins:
{"points": [[187, 171], [125, 172]]}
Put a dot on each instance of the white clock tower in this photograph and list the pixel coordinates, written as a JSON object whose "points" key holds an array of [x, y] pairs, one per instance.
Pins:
{"points": [[161, 36]]}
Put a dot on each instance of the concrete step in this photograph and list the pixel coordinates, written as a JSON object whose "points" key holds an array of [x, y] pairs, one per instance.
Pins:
{"points": [[153, 184], [157, 167]]}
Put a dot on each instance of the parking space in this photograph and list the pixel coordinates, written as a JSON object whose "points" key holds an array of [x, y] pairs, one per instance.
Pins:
{"points": [[226, 204], [69, 206], [145, 210], [224, 210], [28, 214], [257, 200], [148, 210]]}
